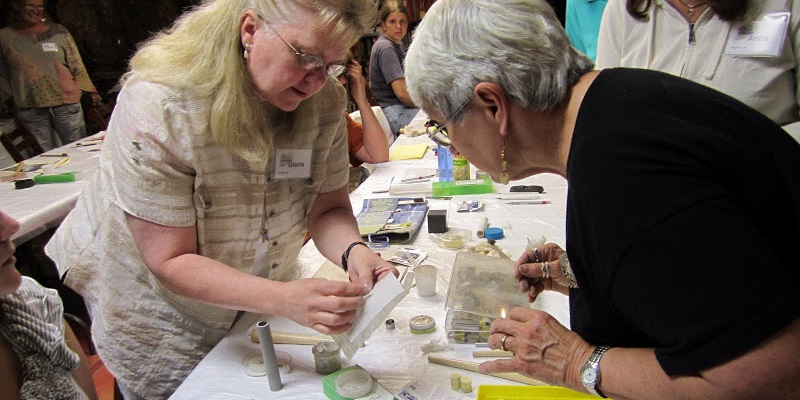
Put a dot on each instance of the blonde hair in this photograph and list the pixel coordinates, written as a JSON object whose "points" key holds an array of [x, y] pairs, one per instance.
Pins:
{"points": [[202, 54]]}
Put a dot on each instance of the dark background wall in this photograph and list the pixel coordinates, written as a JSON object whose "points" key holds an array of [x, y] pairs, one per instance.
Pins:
{"points": [[108, 31]]}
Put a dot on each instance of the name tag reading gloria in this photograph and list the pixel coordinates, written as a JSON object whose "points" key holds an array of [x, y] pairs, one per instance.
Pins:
{"points": [[763, 37], [49, 47], [292, 163]]}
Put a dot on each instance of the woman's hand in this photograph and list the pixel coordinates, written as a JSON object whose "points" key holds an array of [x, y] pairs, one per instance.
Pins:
{"points": [[324, 305], [369, 268], [543, 348], [358, 85], [529, 271]]}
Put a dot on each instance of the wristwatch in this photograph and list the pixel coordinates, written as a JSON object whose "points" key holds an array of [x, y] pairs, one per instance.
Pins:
{"points": [[590, 373]]}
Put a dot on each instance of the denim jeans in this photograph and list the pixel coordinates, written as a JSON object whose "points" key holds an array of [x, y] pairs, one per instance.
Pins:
{"points": [[54, 126], [399, 116]]}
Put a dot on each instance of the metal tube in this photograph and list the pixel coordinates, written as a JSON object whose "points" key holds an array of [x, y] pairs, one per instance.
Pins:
{"points": [[268, 352]]}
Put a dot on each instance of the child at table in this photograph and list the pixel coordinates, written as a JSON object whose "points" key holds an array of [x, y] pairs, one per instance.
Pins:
{"points": [[40, 357]]}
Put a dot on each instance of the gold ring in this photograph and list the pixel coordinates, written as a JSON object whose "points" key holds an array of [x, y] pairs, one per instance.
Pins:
{"points": [[503, 342]]}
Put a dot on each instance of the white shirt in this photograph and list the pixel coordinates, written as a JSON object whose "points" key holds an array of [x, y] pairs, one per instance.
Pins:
{"points": [[768, 84]]}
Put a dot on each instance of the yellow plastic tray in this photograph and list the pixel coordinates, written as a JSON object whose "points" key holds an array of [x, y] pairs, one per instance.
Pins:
{"points": [[511, 392]]}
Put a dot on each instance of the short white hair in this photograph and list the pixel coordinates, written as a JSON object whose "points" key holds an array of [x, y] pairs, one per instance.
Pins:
{"points": [[518, 44]]}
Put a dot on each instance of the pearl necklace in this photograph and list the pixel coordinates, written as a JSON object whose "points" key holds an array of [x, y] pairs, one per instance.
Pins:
{"points": [[693, 6]]}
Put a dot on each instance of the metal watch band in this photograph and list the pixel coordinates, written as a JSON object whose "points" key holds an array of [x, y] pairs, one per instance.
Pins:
{"points": [[346, 253], [594, 363]]}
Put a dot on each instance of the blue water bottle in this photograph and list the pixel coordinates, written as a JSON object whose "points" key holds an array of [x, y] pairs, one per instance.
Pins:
{"points": [[445, 164]]}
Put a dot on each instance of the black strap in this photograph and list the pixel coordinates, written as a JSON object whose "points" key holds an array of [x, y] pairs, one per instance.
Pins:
{"points": [[346, 253]]}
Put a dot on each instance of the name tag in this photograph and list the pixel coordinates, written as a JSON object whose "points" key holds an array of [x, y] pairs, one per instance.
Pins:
{"points": [[49, 47], [292, 163], [763, 37]]}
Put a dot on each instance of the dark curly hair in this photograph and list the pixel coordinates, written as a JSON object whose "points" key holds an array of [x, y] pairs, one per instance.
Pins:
{"points": [[728, 10]]}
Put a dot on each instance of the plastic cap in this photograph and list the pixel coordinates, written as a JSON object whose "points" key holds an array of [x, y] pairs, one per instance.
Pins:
{"points": [[24, 183], [493, 233], [353, 383]]}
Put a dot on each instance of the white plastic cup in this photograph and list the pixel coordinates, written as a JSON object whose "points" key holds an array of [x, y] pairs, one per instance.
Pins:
{"points": [[425, 276]]}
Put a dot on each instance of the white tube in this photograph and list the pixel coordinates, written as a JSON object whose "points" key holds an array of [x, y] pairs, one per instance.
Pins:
{"points": [[482, 226], [268, 352]]}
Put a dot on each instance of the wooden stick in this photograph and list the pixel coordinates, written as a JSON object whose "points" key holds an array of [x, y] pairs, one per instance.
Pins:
{"points": [[473, 367], [20, 165], [492, 353], [292, 338]]}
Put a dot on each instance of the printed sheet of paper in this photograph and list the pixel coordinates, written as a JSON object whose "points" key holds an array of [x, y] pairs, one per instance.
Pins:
{"points": [[421, 389], [385, 295]]}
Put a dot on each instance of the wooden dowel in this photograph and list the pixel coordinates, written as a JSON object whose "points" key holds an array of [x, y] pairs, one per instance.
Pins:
{"points": [[292, 338], [473, 367], [492, 353]]}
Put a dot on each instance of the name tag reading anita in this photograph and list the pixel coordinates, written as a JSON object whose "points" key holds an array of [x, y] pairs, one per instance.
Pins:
{"points": [[763, 37]]}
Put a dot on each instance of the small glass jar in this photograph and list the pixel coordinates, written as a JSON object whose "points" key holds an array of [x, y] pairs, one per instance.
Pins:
{"points": [[326, 357]]}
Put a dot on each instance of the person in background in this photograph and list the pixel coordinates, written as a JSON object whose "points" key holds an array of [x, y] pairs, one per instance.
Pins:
{"points": [[40, 357], [42, 70], [583, 24], [227, 145], [747, 49], [386, 75], [664, 303], [366, 141]]}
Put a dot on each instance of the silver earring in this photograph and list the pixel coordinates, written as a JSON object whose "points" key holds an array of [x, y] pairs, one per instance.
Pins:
{"points": [[247, 50]]}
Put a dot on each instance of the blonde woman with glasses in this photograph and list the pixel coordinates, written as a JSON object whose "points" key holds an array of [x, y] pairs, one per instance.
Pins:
{"points": [[227, 145]]}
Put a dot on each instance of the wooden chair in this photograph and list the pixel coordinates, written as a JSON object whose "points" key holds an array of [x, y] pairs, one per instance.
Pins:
{"points": [[20, 143], [98, 117]]}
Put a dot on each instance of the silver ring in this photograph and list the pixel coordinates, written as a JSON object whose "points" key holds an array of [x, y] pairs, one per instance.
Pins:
{"points": [[546, 270], [537, 256], [503, 342]]}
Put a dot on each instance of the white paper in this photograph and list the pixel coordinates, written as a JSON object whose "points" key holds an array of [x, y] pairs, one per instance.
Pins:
{"points": [[425, 390], [385, 295]]}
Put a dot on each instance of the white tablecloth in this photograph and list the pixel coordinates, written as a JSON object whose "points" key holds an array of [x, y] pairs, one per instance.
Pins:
{"points": [[393, 357], [44, 206]]}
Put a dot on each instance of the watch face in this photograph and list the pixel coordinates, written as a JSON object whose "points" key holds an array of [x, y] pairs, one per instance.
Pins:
{"points": [[589, 375]]}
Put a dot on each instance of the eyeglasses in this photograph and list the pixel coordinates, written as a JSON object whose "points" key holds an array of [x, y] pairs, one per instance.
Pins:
{"points": [[439, 135], [310, 62], [33, 7]]}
